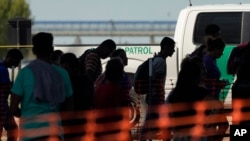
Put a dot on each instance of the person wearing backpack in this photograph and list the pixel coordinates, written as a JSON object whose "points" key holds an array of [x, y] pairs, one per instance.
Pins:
{"points": [[155, 95]]}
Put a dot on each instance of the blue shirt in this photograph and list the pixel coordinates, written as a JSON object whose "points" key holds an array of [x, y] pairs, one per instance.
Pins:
{"points": [[213, 75], [4, 74], [4, 89], [212, 69]]}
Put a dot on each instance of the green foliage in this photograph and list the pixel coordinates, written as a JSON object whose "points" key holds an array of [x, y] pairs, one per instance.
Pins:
{"points": [[10, 9]]}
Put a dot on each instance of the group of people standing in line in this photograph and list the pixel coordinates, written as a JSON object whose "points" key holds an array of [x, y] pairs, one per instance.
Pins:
{"points": [[56, 92], [51, 86], [198, 81]]}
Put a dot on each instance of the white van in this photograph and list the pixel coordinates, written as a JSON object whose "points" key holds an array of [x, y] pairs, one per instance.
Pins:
{"points": [[233, 19]]}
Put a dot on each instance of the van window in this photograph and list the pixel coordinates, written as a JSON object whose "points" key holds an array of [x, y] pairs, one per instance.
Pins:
{"points": [[229, 22], [246, 27]]}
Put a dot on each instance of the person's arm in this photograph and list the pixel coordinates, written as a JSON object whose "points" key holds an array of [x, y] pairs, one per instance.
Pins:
{"points": [[14, 105]]}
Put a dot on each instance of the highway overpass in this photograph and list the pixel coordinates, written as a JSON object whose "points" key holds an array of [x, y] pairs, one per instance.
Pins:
{"points": [[110, 28]]}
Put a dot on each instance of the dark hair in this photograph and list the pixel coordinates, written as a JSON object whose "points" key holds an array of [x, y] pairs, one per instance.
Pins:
{"points": [[212, 29], [114, 70], [167, 42], [108, 43], [106, 48], [117, 52], [215, 43], [70, 59], [14, 53], [120, 53], [43, 44], [56, 54]]}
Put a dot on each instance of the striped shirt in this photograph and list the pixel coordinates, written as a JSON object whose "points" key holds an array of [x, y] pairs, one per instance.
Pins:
{"points": [[93, 64]]}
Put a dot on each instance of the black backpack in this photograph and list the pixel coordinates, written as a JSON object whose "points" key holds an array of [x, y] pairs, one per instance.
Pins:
{"points": [[143, 77]]}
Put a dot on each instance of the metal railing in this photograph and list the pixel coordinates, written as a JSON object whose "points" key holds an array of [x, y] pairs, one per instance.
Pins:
{"points": [[104, 28]]}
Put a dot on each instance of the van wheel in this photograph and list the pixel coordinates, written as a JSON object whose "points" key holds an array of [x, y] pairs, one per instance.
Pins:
{"points": [[134, 107], [134, 111]]}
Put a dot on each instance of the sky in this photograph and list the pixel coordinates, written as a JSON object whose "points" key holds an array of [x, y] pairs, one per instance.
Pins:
{"points": [[114, 9], [81, 10]]}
